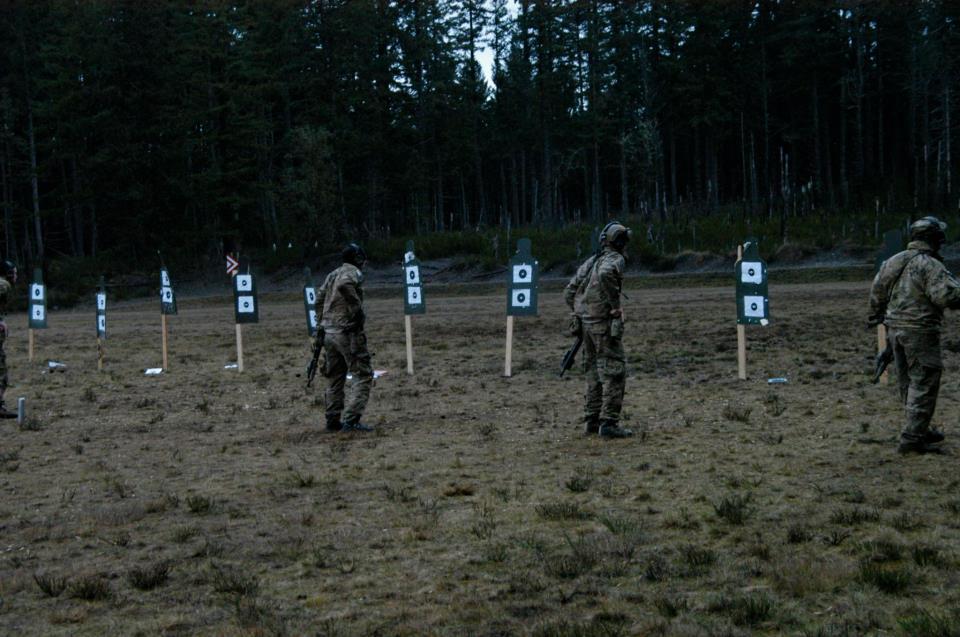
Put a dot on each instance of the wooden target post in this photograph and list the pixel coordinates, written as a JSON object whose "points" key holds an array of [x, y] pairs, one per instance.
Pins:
{"points": [[753, 303], [101, 322], [524, 275], [413, 301], [37, 318], [246, 308], [168, 307]]}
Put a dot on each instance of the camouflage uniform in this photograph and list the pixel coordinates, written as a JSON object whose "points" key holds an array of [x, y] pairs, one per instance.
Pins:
{"points": [[911, 304], [593, 293], [345, 344], [5, 290]]}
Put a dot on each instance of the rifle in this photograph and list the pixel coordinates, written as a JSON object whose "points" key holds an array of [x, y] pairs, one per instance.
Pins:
{"points": [[880, 364], [315, 359], [571, 354]]}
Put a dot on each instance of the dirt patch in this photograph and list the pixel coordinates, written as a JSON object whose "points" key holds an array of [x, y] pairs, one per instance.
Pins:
{"points": [[205, 501]]}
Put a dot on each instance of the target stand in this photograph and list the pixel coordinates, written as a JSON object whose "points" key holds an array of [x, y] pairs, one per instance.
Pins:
{"points": [[524, 277], [753, 303], [413, 301]]}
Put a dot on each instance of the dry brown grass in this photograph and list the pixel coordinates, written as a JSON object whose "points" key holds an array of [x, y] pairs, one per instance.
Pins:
{"points": [[210, 502]]}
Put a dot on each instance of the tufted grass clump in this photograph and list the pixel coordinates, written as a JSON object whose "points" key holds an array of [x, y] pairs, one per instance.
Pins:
{"points": [[148, 577]]}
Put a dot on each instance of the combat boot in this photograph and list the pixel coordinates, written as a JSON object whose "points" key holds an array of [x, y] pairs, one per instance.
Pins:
{"points": [[334, 424], [912, 443], [355, 425], [591, 427], [932, 437], [4, 413], [610, 429]]}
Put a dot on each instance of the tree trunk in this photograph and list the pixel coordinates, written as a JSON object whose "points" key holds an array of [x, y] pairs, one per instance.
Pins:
{"points": [[34, 185], [624, 192]]}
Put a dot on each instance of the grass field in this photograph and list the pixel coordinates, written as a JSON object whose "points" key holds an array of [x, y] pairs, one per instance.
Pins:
{"points": [[210, 502]]}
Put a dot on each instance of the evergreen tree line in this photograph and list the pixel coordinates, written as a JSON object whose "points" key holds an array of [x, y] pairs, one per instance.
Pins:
{"points": [[128, 126]]}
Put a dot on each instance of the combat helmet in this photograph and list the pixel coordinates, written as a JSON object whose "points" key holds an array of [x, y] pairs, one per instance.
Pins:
{"points": [[6, 267], [354, 255], [615, 234], [929, 229]]}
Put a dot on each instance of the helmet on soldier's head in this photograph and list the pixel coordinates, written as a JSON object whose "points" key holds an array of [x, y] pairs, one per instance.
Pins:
{"points": [[6, 267], [616, 235], [929, 229], [354, 255]]}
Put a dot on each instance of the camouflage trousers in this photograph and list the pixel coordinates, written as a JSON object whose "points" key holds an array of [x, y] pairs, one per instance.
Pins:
{"points": [[606, 367], [343, 354], [919, 366]]}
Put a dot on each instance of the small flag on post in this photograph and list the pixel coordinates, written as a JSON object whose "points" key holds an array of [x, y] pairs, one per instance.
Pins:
{"points": [[232, 265]]}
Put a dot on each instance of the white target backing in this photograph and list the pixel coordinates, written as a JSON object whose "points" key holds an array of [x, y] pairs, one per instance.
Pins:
{"points": [[166, 295], [522, 274], [413, 275], [245, 304], [751, 272], [753, 307], [244, 283], [101, 301], [520, 298], [164, 279], [311, 295], [38, 313], [413, 296], [36, 292], [313, 319]]}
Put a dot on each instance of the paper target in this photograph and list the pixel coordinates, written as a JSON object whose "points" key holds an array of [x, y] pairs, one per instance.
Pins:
{"points": [[164, 279], [244, 283], [166, 295], [313, 319], [101, 301], [408, 257], [413, 275], [522, 273], [246, 304], [413, 296], [38, 313], [753, 307], [310, 294], [751, 272], [36, 292], [101, 324], [521, 298]]}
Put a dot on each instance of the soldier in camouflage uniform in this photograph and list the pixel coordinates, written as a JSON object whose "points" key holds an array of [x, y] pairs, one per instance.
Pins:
{"points": [[8, 277], [909, 295], [594, 296], [340, 304]]}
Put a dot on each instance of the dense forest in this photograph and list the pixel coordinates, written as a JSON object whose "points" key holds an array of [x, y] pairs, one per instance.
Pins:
{"points": [[130, 126]]}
